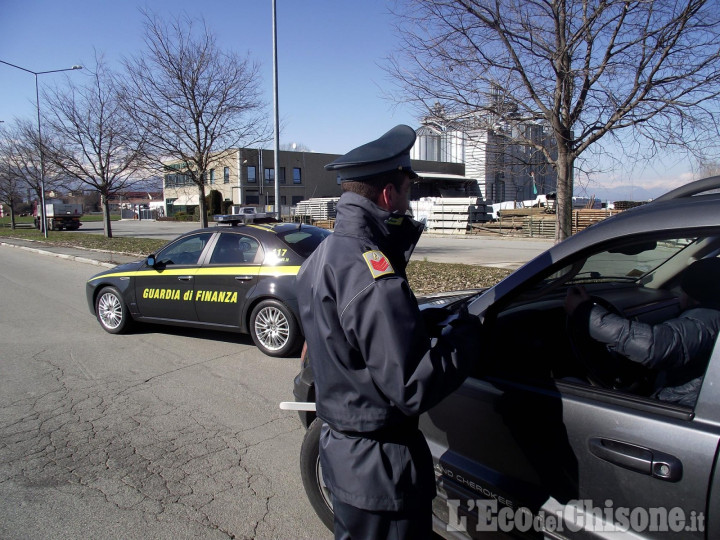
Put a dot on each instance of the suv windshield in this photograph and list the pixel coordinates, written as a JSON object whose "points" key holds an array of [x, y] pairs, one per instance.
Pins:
{"points": [[628, 263], [304, 240], [631, 262]]}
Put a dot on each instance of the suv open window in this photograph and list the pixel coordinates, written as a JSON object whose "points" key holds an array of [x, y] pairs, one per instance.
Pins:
{"points": [[533, 336]]}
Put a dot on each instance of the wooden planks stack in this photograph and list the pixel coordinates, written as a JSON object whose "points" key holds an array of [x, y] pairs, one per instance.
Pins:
{"points": [[541, 225]]}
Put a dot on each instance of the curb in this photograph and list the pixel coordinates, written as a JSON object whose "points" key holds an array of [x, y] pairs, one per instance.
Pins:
{"points": [[62, 255]]}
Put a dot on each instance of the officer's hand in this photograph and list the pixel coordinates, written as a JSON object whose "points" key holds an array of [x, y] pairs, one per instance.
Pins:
{"points": [[463, 322], [434, 319], [576, 295]]}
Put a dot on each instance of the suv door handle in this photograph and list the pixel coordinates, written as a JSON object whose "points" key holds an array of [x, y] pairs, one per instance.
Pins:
{"points": [[243, 278], [185, 278], [637, 458]]}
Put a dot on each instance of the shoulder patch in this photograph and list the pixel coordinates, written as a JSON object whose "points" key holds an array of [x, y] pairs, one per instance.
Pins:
{"points": [[378, 263]]}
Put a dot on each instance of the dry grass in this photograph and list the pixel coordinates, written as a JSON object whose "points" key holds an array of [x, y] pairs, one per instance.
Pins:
{"points": [[424, 277], [427, 277]]}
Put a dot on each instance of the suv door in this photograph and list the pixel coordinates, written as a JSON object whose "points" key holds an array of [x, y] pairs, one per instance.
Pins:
{"points": [[527, 447]]}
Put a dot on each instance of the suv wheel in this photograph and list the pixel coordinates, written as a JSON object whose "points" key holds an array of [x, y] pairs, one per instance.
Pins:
{"points": [[311, 474]]}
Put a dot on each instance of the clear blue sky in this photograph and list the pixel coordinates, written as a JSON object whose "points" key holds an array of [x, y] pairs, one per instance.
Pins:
{"points": [[329, 51], [330, 84]]}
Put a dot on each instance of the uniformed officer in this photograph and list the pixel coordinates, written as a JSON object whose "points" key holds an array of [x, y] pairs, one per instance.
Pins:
{"points": [[376, 369]]}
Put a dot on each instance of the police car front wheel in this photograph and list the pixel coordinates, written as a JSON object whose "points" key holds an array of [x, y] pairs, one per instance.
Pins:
{"points": [[111, 311], [274, 329]]}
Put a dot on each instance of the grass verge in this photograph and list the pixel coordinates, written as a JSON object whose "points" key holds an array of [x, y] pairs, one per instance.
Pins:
{"points": [[424, 277]]}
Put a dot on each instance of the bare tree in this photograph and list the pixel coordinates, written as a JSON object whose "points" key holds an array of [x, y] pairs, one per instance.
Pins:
{"points": [[21, 163], [196, 100], [709, 168], [9, 181], [641, 72], [93, 140]]}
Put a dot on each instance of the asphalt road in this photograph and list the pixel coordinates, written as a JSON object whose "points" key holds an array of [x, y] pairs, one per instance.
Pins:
{"points": [[162, 433], [503, 252]]}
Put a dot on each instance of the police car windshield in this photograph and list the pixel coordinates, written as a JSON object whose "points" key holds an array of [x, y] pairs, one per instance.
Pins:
{"points": [[304, 241]]}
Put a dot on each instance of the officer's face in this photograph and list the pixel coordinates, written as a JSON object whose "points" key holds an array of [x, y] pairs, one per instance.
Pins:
{"points": [[399, 198]]}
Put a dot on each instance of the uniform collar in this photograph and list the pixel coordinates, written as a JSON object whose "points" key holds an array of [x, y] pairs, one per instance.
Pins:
{"points": [[395, 234]]}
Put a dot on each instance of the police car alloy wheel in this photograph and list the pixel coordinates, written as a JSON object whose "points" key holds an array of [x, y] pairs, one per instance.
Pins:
{"points": [[274, 329], [111, 311]]}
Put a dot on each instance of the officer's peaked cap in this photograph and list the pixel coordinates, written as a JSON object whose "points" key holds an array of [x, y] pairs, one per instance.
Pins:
{"points": [[391, 152]]}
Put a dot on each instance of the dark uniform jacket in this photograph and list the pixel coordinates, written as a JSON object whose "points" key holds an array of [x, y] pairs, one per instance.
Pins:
{"points": [[375, 367], [680, 348]]}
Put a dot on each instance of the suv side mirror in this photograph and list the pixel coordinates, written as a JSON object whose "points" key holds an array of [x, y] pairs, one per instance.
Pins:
{"points": [[151, 260]]}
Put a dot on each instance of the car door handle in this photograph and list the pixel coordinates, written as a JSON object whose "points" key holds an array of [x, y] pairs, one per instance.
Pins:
{"points": [[185, 278], [637, 458], [243, 278]]}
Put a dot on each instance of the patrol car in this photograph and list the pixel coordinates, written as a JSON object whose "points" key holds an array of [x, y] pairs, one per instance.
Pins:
{"points": [[553, 435], [237, 279]]}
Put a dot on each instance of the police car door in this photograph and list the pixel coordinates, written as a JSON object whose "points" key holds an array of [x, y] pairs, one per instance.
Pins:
{"points": [[165, 291], [224, 282]]}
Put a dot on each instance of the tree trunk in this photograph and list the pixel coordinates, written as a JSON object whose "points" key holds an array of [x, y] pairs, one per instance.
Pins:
{"points": [[563, 203], [203, 209], [106, 215], [12, 215]]}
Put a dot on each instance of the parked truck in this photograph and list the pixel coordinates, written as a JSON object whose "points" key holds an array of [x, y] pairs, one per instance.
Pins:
{"points": [[59, 216]]}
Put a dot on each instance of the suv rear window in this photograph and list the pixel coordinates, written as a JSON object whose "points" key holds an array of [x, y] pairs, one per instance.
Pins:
{"points": [[304, 241]]}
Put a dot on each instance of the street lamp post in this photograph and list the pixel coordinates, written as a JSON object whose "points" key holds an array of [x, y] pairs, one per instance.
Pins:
{"points": [[43, 222]]}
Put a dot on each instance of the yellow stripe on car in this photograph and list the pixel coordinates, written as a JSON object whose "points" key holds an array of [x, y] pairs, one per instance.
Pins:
{"points": [[208, 271]]}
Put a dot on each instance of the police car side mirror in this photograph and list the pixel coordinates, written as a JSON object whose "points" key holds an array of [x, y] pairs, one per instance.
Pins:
{"points": [[151, 260]]}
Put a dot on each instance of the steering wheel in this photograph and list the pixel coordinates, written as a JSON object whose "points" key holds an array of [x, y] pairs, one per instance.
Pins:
{"points": [[604, 367]]}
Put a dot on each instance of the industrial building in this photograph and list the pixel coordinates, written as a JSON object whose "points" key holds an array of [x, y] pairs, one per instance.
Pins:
{"points": [[246, 176]]}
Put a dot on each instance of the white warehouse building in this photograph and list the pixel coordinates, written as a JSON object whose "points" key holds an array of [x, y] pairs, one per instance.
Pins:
{"points": [[504, 168]]}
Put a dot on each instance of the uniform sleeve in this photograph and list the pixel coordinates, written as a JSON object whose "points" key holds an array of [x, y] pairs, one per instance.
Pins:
{"points": [[658, 346], [411, 370]]}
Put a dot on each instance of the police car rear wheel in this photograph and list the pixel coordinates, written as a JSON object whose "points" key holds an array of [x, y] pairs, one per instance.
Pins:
{"points": [[311, 474], [274, 329], [112, 313]]}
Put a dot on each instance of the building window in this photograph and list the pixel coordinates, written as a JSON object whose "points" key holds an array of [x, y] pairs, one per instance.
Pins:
{"points": [[212, 176], [282, 175], [252, 199], [251, 175], [499, 195], [269, 176], [172, 180], [226, 175], [297, 175], [296, 199]]}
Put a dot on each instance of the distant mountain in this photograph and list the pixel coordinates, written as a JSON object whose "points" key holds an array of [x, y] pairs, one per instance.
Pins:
{"points": [[619, 193]]}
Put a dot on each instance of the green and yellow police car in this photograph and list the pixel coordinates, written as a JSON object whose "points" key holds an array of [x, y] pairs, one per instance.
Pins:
{"points": [[237, 279]]}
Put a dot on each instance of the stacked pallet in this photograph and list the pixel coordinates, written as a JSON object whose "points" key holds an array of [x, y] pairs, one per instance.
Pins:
{"points": [[453, 215], [320, 208], [544, 226], [539, 224], [586, 217]]}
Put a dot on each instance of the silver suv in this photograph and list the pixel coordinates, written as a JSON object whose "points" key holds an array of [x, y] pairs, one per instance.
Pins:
{"points": [[552, 435]]}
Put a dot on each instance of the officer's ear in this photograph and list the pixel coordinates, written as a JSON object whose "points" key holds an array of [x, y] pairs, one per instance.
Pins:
{"points": [[387, 196]]}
